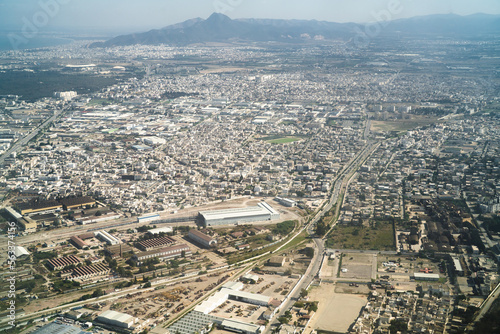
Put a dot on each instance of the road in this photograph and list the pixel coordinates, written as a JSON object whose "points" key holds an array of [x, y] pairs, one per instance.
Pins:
{"points": [[22, 142], [485, 307], [338, 190]]}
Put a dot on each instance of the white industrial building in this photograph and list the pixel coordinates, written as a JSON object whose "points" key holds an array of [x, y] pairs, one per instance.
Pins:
{"points": [[166, 229], [286, 202], [116, 319], [148, 218], [426, 277], [199, 320], [153, 140], [106, 237], [261, 212], [232, 291]]}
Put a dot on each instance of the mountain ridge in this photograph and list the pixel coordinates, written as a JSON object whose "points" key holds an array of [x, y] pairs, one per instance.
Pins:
{"points": [[220, 28]]}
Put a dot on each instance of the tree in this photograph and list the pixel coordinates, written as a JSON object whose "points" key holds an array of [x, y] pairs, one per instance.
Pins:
{"points": [[303, 293], [98, 293], [398, 325], [309, 252], [313, 307], [147, 285], [321, 228]]}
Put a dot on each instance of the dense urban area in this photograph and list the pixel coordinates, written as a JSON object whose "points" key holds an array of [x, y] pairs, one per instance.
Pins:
{"points": [[263, 188]]}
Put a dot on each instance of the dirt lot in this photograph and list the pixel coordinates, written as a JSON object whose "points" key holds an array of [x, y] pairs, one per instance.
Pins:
{"points": [[330, 268], [359, 266], [336, 311], [163, 301], [356, 290]]}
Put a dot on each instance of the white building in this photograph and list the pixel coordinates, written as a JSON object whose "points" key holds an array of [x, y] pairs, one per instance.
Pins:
{"points": [[117, 319], [261, 212], [66, 96], [106, 237]]}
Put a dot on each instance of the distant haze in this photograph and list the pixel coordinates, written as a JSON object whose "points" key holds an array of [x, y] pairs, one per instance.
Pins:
{"points": [[122, 16]]}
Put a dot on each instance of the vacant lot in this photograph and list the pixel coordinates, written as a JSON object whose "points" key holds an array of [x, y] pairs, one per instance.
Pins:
{"points": [[359, 266], [336, 312], [381, 237], [400, 125]]}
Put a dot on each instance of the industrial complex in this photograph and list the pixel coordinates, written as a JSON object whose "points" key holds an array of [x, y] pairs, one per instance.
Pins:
{"points": [[261, 212]]}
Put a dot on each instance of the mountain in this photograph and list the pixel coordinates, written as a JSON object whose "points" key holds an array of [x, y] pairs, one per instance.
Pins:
{"points": [[220, 28], [449, 24]]}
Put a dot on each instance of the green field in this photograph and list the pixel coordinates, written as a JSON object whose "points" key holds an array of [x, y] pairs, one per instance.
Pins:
{"points": [[401, 125], [284, 140], [380, 237]]}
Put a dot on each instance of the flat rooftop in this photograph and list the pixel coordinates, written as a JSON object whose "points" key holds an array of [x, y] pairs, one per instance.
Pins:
{"points": [[252, 211]]}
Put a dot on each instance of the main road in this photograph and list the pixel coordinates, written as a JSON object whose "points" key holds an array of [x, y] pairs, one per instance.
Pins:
{"points": [[22, 142], [338, 190]]}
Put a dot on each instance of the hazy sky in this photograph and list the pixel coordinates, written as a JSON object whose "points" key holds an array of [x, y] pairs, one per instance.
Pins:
{"points": [[113, 16]]}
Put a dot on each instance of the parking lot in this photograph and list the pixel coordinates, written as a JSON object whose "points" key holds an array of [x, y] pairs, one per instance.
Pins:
{"points": [[239, 311], [276, 286]]}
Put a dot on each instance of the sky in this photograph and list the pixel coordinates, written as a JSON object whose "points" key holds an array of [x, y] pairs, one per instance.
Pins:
{"points": [[125, 16]]}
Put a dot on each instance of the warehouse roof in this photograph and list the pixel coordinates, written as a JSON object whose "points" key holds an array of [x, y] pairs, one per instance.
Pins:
{"points": [[426, 276], [72, 201], [201, 235], [116, 316], [53, 328], [261, 209], [246, 295], [240, 326]]}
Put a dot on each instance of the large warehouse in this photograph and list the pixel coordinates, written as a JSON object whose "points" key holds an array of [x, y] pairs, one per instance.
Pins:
{"points": [[202, 239], [261, 212], [116, 319]]}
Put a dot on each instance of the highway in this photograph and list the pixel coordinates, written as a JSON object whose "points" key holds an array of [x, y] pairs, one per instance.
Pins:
{"points": [[338, 190], [486, 305], [22, 142]]}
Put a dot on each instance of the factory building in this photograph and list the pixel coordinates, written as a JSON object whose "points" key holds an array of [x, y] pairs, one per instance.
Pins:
{"points": [[241, 327], [71, 203], [62, 262], [116, 319], [286, 202], [232, 293], [28, 225], [166, 229], [261, 212], [194, 322], [107, 238], [151, 217], [13, 213], [78, 242], [457, 266], [86, 272], [163, 253], [202, 239], [55, 328], [37, 205], [149, 244], [426, 277]]}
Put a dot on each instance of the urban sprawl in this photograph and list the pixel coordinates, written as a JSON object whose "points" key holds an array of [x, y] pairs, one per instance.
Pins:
{"points": [[253, 189]]}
